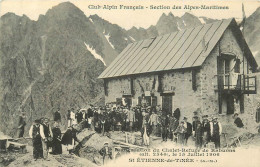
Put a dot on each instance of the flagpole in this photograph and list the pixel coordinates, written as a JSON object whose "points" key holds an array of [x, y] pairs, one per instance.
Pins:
{"points": [[243, 45]]}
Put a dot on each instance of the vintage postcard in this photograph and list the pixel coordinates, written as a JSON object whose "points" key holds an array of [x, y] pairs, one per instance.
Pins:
{"points": [[130, 83]]}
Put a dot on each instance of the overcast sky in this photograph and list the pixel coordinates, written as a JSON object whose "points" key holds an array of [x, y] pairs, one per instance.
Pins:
{"points": [[128, 18]]}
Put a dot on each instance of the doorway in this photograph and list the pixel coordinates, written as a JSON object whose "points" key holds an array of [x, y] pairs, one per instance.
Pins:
{"points": [[167, 103]]}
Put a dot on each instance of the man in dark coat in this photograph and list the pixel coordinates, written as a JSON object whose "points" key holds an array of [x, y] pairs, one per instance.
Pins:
{"points": [[69, 118], [138, 119], [47, 136], [238, 121], [56, 143], [34, 133], [194, 123], [79, 116], [57, 116], [188, 126], [21, 125], [216, 130], [164, 121], [174, 123]]}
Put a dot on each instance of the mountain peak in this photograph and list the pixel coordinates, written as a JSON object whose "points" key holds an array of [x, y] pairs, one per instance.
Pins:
{"points": [[64, 9], [170, 14]]}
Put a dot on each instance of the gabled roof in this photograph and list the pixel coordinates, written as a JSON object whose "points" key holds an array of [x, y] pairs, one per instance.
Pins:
{"points": [[178, 50]]}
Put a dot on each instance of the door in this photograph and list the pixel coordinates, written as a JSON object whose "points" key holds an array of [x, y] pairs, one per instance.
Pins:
{"points": [[167, 104], [230, 104]]}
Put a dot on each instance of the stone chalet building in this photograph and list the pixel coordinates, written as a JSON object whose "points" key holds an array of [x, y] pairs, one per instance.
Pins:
{"points": [[208, 69]]}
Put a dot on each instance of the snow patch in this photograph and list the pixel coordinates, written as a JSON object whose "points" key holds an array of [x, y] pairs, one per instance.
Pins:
{"points": [[94, 53], [178, 26], [132, 38], [202, 20], [184, 23], [125, 38], [107, 37], [91, 20]]}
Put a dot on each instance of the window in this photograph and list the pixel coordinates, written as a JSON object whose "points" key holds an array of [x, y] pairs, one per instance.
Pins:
{"points": [[193, 76], [154, 101], [132, 86], [160, 83], [106, 87]]}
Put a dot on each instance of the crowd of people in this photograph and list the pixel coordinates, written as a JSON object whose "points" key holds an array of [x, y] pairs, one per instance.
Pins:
{"points": [[147, 120]]}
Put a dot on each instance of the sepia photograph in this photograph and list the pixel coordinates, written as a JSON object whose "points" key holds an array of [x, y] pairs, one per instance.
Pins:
{"points": [[87, 83]]}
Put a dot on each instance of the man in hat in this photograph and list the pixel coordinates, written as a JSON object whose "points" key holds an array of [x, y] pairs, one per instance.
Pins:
{"points": [[21, 125], [138, 119], [194, 124], [57, 116], [206, 130], [34, 133], [238, 121], [164, 121], [174, 123], [106, 153], [47, 136], [188, 127], [216, 130]]}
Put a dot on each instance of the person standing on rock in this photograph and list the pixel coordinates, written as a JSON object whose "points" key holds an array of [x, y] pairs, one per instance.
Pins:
{"points": [[34, 133], [90, 115], [47, 136], [57, 116], [216, 130], [68, 118], [21, 125], [73, 117]]}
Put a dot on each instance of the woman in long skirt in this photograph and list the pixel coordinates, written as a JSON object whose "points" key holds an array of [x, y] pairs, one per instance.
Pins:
{"points": [[56, 148]]}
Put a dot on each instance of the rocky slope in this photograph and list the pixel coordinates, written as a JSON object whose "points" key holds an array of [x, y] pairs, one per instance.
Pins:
{"points": [[252, 33], [49, 63]]}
